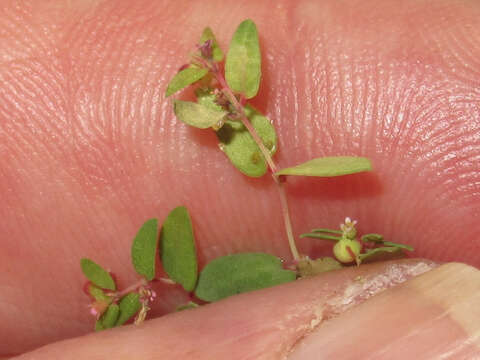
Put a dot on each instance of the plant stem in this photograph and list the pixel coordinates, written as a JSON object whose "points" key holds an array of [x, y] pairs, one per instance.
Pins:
{"points": [[140, 283], [133, 287], [243, 118], [266, 153], [286, 218]]}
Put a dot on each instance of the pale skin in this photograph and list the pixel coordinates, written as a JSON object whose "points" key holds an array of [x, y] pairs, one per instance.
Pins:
{"points": [[90, 149]]}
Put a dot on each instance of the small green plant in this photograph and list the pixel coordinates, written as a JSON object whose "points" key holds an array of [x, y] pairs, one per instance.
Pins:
{"points": [[249, 141], [179, 259], [348, 249]]}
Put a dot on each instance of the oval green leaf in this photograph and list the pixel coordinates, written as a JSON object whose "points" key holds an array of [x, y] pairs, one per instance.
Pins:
{"points": [[110, 317], [239, 273], [241, 149], [198, 115], [144, 249], [177, 248], [243, 63], [217, 53], [184, 78], [97, 275], [329, 167], [129, 305]]}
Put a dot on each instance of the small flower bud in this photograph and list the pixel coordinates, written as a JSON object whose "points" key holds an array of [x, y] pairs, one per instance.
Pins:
{"points": [[97, 308], [348, 229], [206, 49]]}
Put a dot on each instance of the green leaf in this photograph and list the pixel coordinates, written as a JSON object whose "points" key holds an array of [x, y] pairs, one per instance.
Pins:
{"points": [[241, 149], [308, 267], [144, 249], [217, 53], [329, 166], [187, 306], [129, 305], [401, 246], [206, 97], [178, 253], [318, 235], [243, 63], [184, 78], [99, 325], [332, 231], [109, 318], [378, 239], [381, 254], [238, 273], [198, 115], [98, 294], [97, 275]]}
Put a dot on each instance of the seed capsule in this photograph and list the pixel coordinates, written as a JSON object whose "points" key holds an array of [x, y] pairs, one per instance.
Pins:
{"points": [[340, 250]]}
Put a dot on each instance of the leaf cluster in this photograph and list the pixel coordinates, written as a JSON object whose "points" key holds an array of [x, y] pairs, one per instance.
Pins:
{"points": [[220, 105], [214, 107], [224, 276]]}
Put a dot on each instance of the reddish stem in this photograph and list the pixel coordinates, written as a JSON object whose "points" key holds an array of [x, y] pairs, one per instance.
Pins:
{"points": [[133, 287], [238, 105]]}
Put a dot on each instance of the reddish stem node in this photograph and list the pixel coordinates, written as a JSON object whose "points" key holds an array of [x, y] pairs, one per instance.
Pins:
{"points": [[86, 289]]}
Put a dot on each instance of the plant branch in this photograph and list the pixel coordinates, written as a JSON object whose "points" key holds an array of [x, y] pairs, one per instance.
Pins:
{"points": [[244, 119], [286, 218], [266, 153], [133, 287]]}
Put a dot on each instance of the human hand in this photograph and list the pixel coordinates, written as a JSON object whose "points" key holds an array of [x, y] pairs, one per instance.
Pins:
{"points": [[90, 147]]}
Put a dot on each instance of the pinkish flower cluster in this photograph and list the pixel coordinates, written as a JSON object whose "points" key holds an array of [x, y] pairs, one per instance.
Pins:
{"points": [[147, 294]]}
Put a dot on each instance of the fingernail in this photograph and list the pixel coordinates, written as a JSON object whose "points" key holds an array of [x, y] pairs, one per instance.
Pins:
{"points": [[433, 316]]}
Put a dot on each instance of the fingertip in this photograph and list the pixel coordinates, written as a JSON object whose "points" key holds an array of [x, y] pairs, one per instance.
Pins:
{"points": [[263, 324], [430, 317]]}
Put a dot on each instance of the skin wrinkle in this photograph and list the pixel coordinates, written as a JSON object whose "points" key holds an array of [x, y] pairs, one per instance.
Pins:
{"points": [[104, 160], [23, 91], [11, 18], [459, 55]]}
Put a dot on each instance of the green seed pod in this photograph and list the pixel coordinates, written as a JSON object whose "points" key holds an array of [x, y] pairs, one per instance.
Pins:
{"points": [[341, 252]]}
